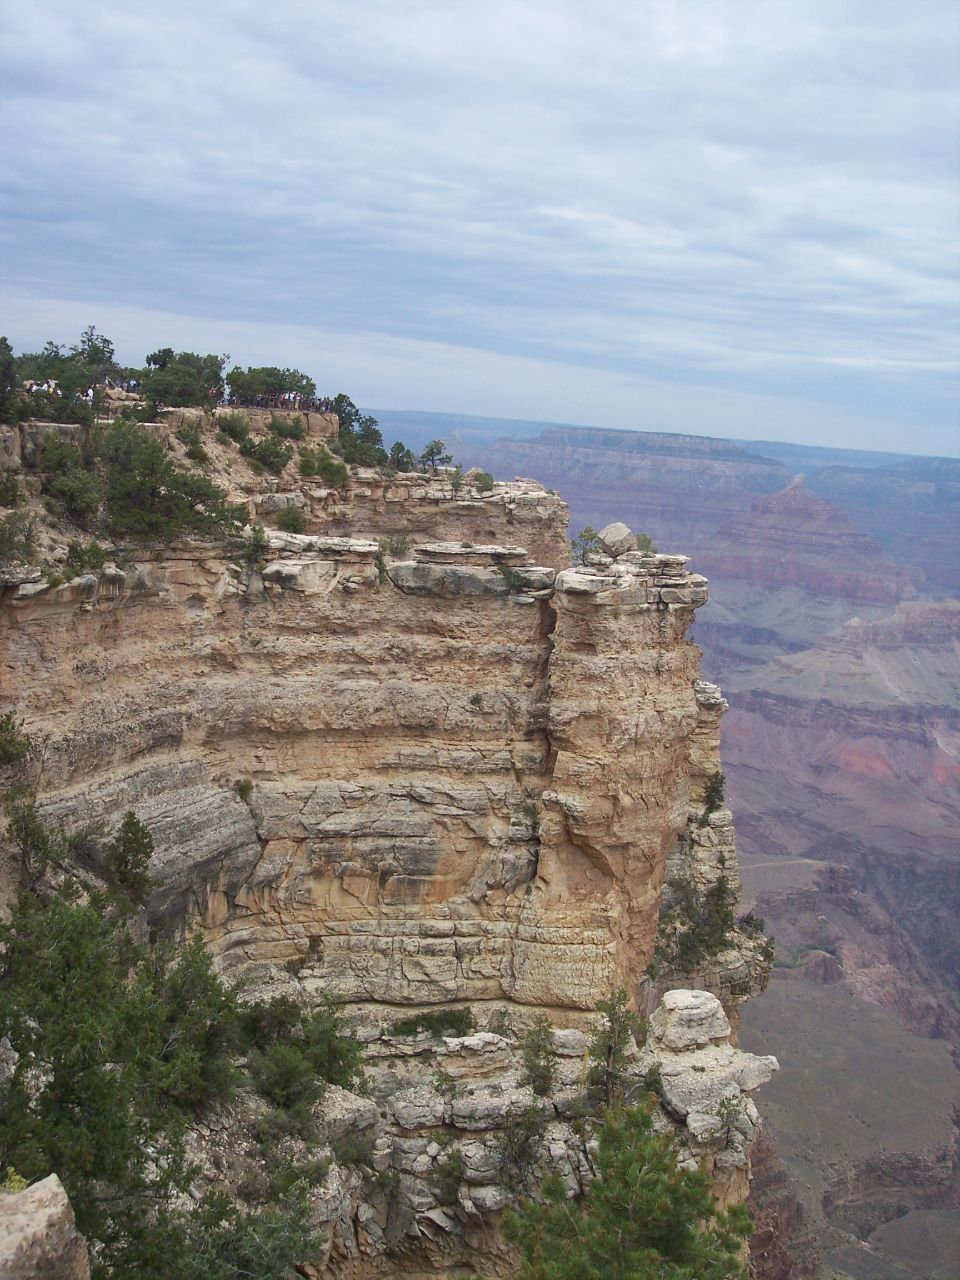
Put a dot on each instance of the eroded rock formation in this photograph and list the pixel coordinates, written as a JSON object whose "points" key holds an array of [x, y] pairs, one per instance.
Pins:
{"points": [[38, 1236], [410, 759]]}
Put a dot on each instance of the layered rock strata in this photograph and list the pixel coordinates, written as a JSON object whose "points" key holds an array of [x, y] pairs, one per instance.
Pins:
{"points": [[406, 778], [454, 1133]]}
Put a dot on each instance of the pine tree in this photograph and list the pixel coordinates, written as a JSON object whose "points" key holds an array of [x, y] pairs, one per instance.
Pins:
{"points": [[643, 1218]]}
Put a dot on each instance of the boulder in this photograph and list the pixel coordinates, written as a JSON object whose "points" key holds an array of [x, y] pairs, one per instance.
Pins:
{"points": [[616, 539], [38, 1235], [689, 1020]]}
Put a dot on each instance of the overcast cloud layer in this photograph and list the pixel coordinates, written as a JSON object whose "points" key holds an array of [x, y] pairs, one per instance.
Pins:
{"points": [[723, 217]]}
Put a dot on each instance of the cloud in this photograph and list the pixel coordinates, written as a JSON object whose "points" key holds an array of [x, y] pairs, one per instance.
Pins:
{"points": [[758, 198]]}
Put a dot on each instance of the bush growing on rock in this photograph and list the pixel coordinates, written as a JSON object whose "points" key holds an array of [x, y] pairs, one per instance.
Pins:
{"points": [[127, 857], [695, 925], [610, 1045], [453, 1022], [148, 496], [317, 462], [234, 426], [642, 1218], [291, 520], [712, 796], [435, 455], [17, 536], [81, 559], [10, 495], [536, 1049], [118, 1044], [14, 743], [268, 452], [587, 542], [190, 437], [287, 428]]}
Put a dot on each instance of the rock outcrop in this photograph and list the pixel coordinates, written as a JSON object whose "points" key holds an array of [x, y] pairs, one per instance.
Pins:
{"points": [[410, 759], [38, 1236]]}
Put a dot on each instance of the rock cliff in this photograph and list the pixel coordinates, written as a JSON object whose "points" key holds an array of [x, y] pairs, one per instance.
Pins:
{"points": [[409, 758]]}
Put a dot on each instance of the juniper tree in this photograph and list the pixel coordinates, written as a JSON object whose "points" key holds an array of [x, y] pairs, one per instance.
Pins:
{"points": [[642, 1218]]}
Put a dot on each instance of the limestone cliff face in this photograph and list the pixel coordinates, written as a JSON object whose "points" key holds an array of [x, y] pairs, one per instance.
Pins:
{"points": [[452, 773], [465, 771]]}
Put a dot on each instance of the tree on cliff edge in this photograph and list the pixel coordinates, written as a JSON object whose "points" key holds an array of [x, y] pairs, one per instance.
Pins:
{"points": [[643, 1218]]}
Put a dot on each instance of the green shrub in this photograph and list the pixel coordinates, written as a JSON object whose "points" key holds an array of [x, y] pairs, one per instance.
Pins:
{"points": [[752, 923], [126, 860], [268, 452], [255, 545], [510, 576], [81, 559], [518, 1145], [454, 1022], [712, 796], [282, 1073], [587, 542], [148, 496], [190, 437], [608, 1047], [448, 1176], [234, 426], [536, 1050], [17, 536], [14, 743], [10, 495], [291, 520], [697, 925], [287, 428], [295, 1053], [396, 545], [244, 788], [117, 1042], [642, 1217], [353, 1149], [71, 478], [482, 481], [360, 439], [317, 462]]}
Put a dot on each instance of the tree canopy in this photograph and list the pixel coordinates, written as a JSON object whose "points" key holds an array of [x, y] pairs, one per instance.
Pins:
{"points": [[177, 379], [642, 1218], [267, 383]]}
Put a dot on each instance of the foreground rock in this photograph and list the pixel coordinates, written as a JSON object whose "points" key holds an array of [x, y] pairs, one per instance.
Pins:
{"points": [[38, 1236]]}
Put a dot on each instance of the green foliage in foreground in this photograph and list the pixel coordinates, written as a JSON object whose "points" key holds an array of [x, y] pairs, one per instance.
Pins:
{"points": [[119, 1044], [642, 1219], [14, 743]]}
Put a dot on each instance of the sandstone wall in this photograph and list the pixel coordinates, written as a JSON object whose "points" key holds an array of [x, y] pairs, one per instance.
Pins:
{"points": [[451, 772], [461, 777]]}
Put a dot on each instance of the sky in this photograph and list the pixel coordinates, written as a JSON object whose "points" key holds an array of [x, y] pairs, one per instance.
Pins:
{"points": [[730, 218]]}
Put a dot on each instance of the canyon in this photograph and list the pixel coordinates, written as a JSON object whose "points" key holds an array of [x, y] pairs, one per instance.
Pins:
{"points": [[834, 630], [412, 760]]}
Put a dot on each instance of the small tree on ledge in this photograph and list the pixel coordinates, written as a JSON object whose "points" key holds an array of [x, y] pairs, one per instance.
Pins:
{"points": [[435, 455], [643, 1218]]}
